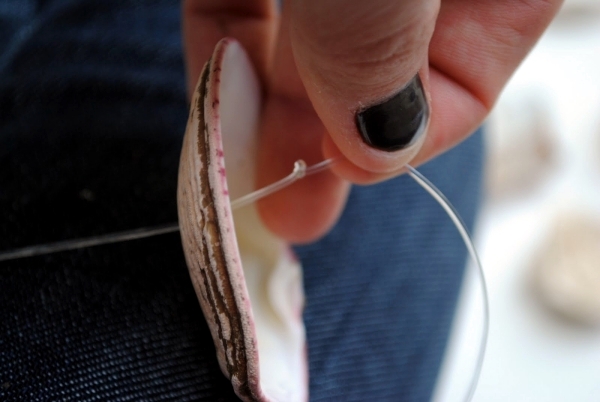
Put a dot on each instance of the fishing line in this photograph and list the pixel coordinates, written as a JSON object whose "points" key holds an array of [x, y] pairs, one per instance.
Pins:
{"points": [[300, 170], [464, 233], [117, 237]]}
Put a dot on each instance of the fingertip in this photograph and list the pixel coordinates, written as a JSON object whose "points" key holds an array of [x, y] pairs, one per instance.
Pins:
{"points": [[383, 137], [307, 210], [367, 79], [379, 135]]}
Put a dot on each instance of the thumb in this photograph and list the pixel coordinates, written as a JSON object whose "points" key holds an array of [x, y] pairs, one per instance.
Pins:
{"points": [[364, 68]]}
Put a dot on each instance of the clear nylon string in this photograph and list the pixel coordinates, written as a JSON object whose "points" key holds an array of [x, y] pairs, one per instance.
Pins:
{"points": [[298, 173], [75, 244], [300, 170], [464, 233]]}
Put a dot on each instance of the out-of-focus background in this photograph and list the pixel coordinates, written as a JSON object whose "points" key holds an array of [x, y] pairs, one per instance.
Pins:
{"points": [[539, 232]]}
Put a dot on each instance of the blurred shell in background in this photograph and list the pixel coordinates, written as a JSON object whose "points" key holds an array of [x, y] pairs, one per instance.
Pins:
{"points": [[567, 268], [539, 233]]}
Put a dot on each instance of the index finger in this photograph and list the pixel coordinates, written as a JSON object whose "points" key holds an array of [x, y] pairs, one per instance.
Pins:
{"points": [[251, 22]]}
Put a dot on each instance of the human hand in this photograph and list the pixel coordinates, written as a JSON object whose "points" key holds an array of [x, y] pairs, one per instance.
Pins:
{"points": [[322, 63]]}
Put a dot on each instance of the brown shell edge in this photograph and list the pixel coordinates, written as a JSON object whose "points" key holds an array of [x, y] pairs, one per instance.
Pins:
{"points": [[202, 238]]}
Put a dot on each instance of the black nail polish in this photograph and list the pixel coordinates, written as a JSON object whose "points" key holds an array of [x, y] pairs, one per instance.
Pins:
{"points": [[397, 122]]}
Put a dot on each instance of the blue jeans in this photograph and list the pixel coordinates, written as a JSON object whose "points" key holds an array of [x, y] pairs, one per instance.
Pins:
{"points": [[92, 111]]}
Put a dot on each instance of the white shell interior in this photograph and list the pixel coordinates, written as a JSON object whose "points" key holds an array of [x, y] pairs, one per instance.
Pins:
{"points": [[273, 276]]}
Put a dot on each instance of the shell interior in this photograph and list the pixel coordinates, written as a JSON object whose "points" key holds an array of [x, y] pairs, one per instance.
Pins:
{"points": [[248, 282]]}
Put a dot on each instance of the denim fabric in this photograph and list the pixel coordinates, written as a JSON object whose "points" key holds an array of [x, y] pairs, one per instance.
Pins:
{"points": [[92, 111], [382, 286]]}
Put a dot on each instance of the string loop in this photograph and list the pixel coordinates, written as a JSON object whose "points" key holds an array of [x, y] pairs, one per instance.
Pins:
{"points": [[300, 171]]}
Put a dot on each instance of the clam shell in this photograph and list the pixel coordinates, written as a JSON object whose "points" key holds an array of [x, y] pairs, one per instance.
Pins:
{"points": [[248, 282], [566, 271]]}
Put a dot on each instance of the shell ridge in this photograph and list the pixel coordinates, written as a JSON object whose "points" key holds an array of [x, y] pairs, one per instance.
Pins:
{"points": [[231, 251], [221, 305], [228, 302]]}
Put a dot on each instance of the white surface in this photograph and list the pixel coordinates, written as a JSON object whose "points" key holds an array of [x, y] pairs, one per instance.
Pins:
{"points": [[533, 354]]}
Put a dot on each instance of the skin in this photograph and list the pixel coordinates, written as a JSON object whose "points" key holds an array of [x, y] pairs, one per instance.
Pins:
{"points": [[321, 60]]}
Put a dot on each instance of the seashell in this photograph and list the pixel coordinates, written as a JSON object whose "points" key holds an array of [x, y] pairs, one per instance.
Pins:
{"points": [[566, 272], [248, 282]]}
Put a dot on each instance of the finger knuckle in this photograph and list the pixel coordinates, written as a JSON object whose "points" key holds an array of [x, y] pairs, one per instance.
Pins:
{"points": [[372, 48]]}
